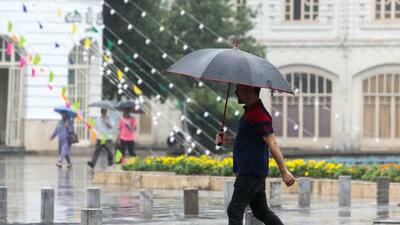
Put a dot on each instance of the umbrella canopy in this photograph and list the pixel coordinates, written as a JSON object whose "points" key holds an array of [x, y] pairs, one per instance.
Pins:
{"points": [[129, 104], [231, 66], [65, 109], [103, 104]]}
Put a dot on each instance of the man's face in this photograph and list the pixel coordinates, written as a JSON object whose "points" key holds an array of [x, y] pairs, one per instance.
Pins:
{"points": [[103, 112], [243, 92]]}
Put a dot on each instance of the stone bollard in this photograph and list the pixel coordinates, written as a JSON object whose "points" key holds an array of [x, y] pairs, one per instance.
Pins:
{"points": [[275, 199], [146, 204], [91, 216], [382, 190], [47, 206], [191, 202], [228, 191], [304, 191], [3, 204], [344, 190], [250, 219], [93, 199]]}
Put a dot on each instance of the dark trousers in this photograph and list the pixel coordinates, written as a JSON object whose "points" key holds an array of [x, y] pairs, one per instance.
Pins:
{"points": [[130, 145], [108, 146], [249, 190]]}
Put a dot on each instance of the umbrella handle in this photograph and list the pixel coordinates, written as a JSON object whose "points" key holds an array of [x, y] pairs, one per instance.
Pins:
{"points": [[223, 117]]}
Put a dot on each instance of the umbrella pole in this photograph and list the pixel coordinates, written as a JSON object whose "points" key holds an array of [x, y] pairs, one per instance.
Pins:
{"points": [[223, 117]]}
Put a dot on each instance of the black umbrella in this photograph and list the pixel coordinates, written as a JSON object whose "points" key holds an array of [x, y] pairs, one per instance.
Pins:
{"points": [[231, 65], [132, 105]]}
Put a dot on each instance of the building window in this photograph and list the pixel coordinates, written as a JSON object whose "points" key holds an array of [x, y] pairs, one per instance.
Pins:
{"points": [[301, 10], [78, 83], [381, 95], [387, 9], [307, 114]]}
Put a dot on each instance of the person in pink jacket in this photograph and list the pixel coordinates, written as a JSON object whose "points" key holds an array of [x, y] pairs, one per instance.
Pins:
{"points": [[127, 134]]}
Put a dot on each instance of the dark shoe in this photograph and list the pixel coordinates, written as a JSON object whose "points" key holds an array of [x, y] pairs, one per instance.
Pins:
{"points": [[59, 165], [90, 164], [69, 165]]}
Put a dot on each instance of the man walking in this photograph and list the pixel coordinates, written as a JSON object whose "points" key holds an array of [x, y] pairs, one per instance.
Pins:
{"points": [[104, 129], [254, 140]]}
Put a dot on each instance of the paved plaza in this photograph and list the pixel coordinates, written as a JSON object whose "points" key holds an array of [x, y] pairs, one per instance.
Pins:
{"points": [[26, 175]]}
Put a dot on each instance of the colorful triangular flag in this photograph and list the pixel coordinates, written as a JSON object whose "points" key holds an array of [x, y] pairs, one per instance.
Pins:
{"points": [[137, 90], [36, 59], [24, 8], [22, 62], [22, 41], [10, 26], [9, 48], [120, 74], [51, 77]]}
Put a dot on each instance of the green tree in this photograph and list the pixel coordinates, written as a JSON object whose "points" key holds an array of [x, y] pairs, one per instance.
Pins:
{"points": [[228, 22]]}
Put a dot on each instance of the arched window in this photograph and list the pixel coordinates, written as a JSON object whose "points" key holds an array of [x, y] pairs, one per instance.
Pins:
{"points": [[307, 114], [381, 96], [11, 94], [79, 80]]}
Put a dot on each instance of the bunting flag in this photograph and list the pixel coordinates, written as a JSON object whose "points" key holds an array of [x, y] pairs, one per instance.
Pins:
{"points": [[30, 58], [106, 58], [56, 45], [64, 93], [51, 77], [9, 48], [137, 90], [14, 37], [79, 117], [109, 45], [10, 26], [94, 135], [87, 43], [50, 86], [59, 12], [33, 72], [36, 59], [94, 30], [75, 106], [40, 25], [22, 41], [24, 8], [120, 74], [92, 122], [128, 59], [74, 28], [88, 126], [22, 62]]}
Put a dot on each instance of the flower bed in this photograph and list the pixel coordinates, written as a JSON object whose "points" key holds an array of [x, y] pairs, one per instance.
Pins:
{"points": [[205, 165]]}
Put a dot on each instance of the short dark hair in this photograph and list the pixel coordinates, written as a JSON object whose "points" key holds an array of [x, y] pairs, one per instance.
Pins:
{"points": [[257, 90]]}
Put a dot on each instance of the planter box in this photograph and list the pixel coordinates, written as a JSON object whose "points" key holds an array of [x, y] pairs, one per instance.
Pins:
{"points": [[169, 180]]}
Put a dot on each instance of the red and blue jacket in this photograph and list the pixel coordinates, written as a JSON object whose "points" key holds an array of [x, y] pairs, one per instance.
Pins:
{"points": [[250, 152]]}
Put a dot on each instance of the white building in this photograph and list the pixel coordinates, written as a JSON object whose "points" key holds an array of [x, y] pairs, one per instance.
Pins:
{"points": [[57, 31], [343, 56]]}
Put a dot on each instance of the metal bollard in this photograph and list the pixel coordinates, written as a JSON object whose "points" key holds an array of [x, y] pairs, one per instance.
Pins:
{"points": [[304, 191], [228, 192], [3, 204], [93, 198], [250, 219], [191, 202], [344, 190], [91, 216], [275, 199], [47, 206], [382, 190], [146, 204]]}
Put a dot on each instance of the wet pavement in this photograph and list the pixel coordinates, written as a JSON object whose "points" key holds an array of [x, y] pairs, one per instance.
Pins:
{"points": [[26, 175]]}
